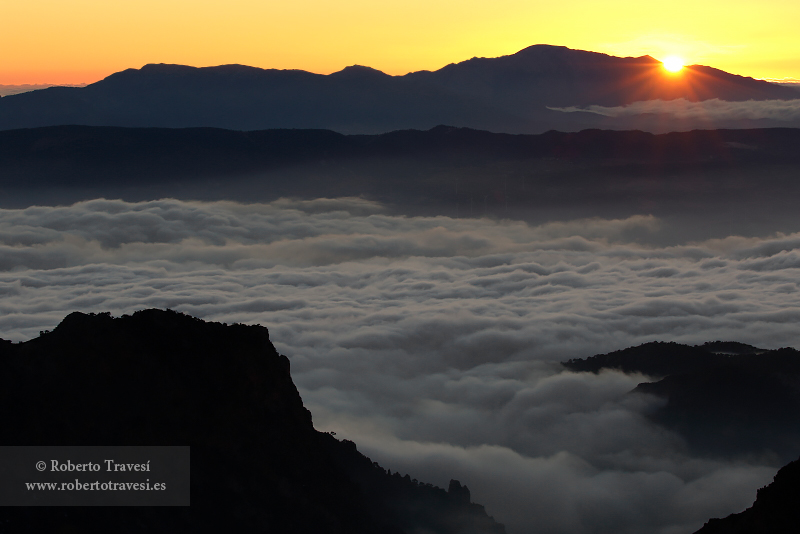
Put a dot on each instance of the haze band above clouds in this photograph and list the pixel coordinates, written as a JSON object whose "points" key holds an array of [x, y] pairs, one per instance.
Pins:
{"points": [[430, 341], [6, 90], [714, 109]]}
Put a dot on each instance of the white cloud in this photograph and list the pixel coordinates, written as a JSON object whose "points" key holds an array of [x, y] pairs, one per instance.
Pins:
{"points": [[710, 110], [786, 81]]}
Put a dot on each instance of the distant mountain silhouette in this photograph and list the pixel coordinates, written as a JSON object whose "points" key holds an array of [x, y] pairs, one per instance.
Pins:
{"points": [[723, 398], [559, 76], [257, 463], [661, 359], [775, 510], [509, 93], [81, 155], [708, 177]]}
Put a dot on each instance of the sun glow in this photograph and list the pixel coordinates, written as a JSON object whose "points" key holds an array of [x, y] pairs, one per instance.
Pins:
{"points": [[673, 63]]}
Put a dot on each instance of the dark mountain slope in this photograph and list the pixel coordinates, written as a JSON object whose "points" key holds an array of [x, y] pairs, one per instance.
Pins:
{"points": [[510, 93], [662, 359], [723, 398], [775, 510], [745, 406], [258, 465]]}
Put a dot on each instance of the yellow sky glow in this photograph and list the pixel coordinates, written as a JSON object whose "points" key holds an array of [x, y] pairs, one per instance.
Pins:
{"points": [[74, 41]]}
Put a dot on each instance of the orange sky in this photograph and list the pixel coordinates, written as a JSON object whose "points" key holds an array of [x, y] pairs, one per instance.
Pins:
{"points": [[74, 41]]}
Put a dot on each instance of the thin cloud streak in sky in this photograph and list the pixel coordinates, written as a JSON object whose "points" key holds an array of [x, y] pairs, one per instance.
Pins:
{"points": [[430, 341], [714, 109], [786, 81]]}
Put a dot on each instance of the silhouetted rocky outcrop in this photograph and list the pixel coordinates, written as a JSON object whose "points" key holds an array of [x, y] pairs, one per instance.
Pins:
{"points": [[723, 397], [258, 465], [775, 511], [459, 492]]}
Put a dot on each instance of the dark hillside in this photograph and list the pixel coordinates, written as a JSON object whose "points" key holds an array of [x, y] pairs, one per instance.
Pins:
{"points": [[654, 359], [775, 510], [257, 464], [724, 398]]}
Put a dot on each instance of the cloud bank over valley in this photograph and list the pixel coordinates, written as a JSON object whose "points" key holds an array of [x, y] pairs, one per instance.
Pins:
{"points": [[432, 341], [710, 110]]}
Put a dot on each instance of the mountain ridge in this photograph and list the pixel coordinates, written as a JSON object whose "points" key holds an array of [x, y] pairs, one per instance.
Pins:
{"points": [[513, 93]]}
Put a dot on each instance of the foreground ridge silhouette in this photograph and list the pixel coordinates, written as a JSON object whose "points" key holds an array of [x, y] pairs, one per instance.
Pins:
{"points": [[775, 510], [257, 463]]}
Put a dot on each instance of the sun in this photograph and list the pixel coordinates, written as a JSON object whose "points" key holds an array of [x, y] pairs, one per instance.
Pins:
{"points": [[673, 63]]}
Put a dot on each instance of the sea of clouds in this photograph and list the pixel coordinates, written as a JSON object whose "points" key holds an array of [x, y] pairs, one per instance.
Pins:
{"points": [[433, 342]]}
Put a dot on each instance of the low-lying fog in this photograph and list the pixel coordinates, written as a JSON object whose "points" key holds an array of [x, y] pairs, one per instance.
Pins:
{"points": [[432, 342]]}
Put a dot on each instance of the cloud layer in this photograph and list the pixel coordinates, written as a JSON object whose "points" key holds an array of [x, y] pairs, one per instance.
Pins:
{"points": [[431, 341], [710, 110]]}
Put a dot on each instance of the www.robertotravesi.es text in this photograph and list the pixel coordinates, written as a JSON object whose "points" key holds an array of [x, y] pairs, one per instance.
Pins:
{"points": [[95, 486]]}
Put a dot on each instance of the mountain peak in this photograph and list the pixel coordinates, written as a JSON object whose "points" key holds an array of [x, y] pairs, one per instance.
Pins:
{"points": [[359, 71], [165, 67]]}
